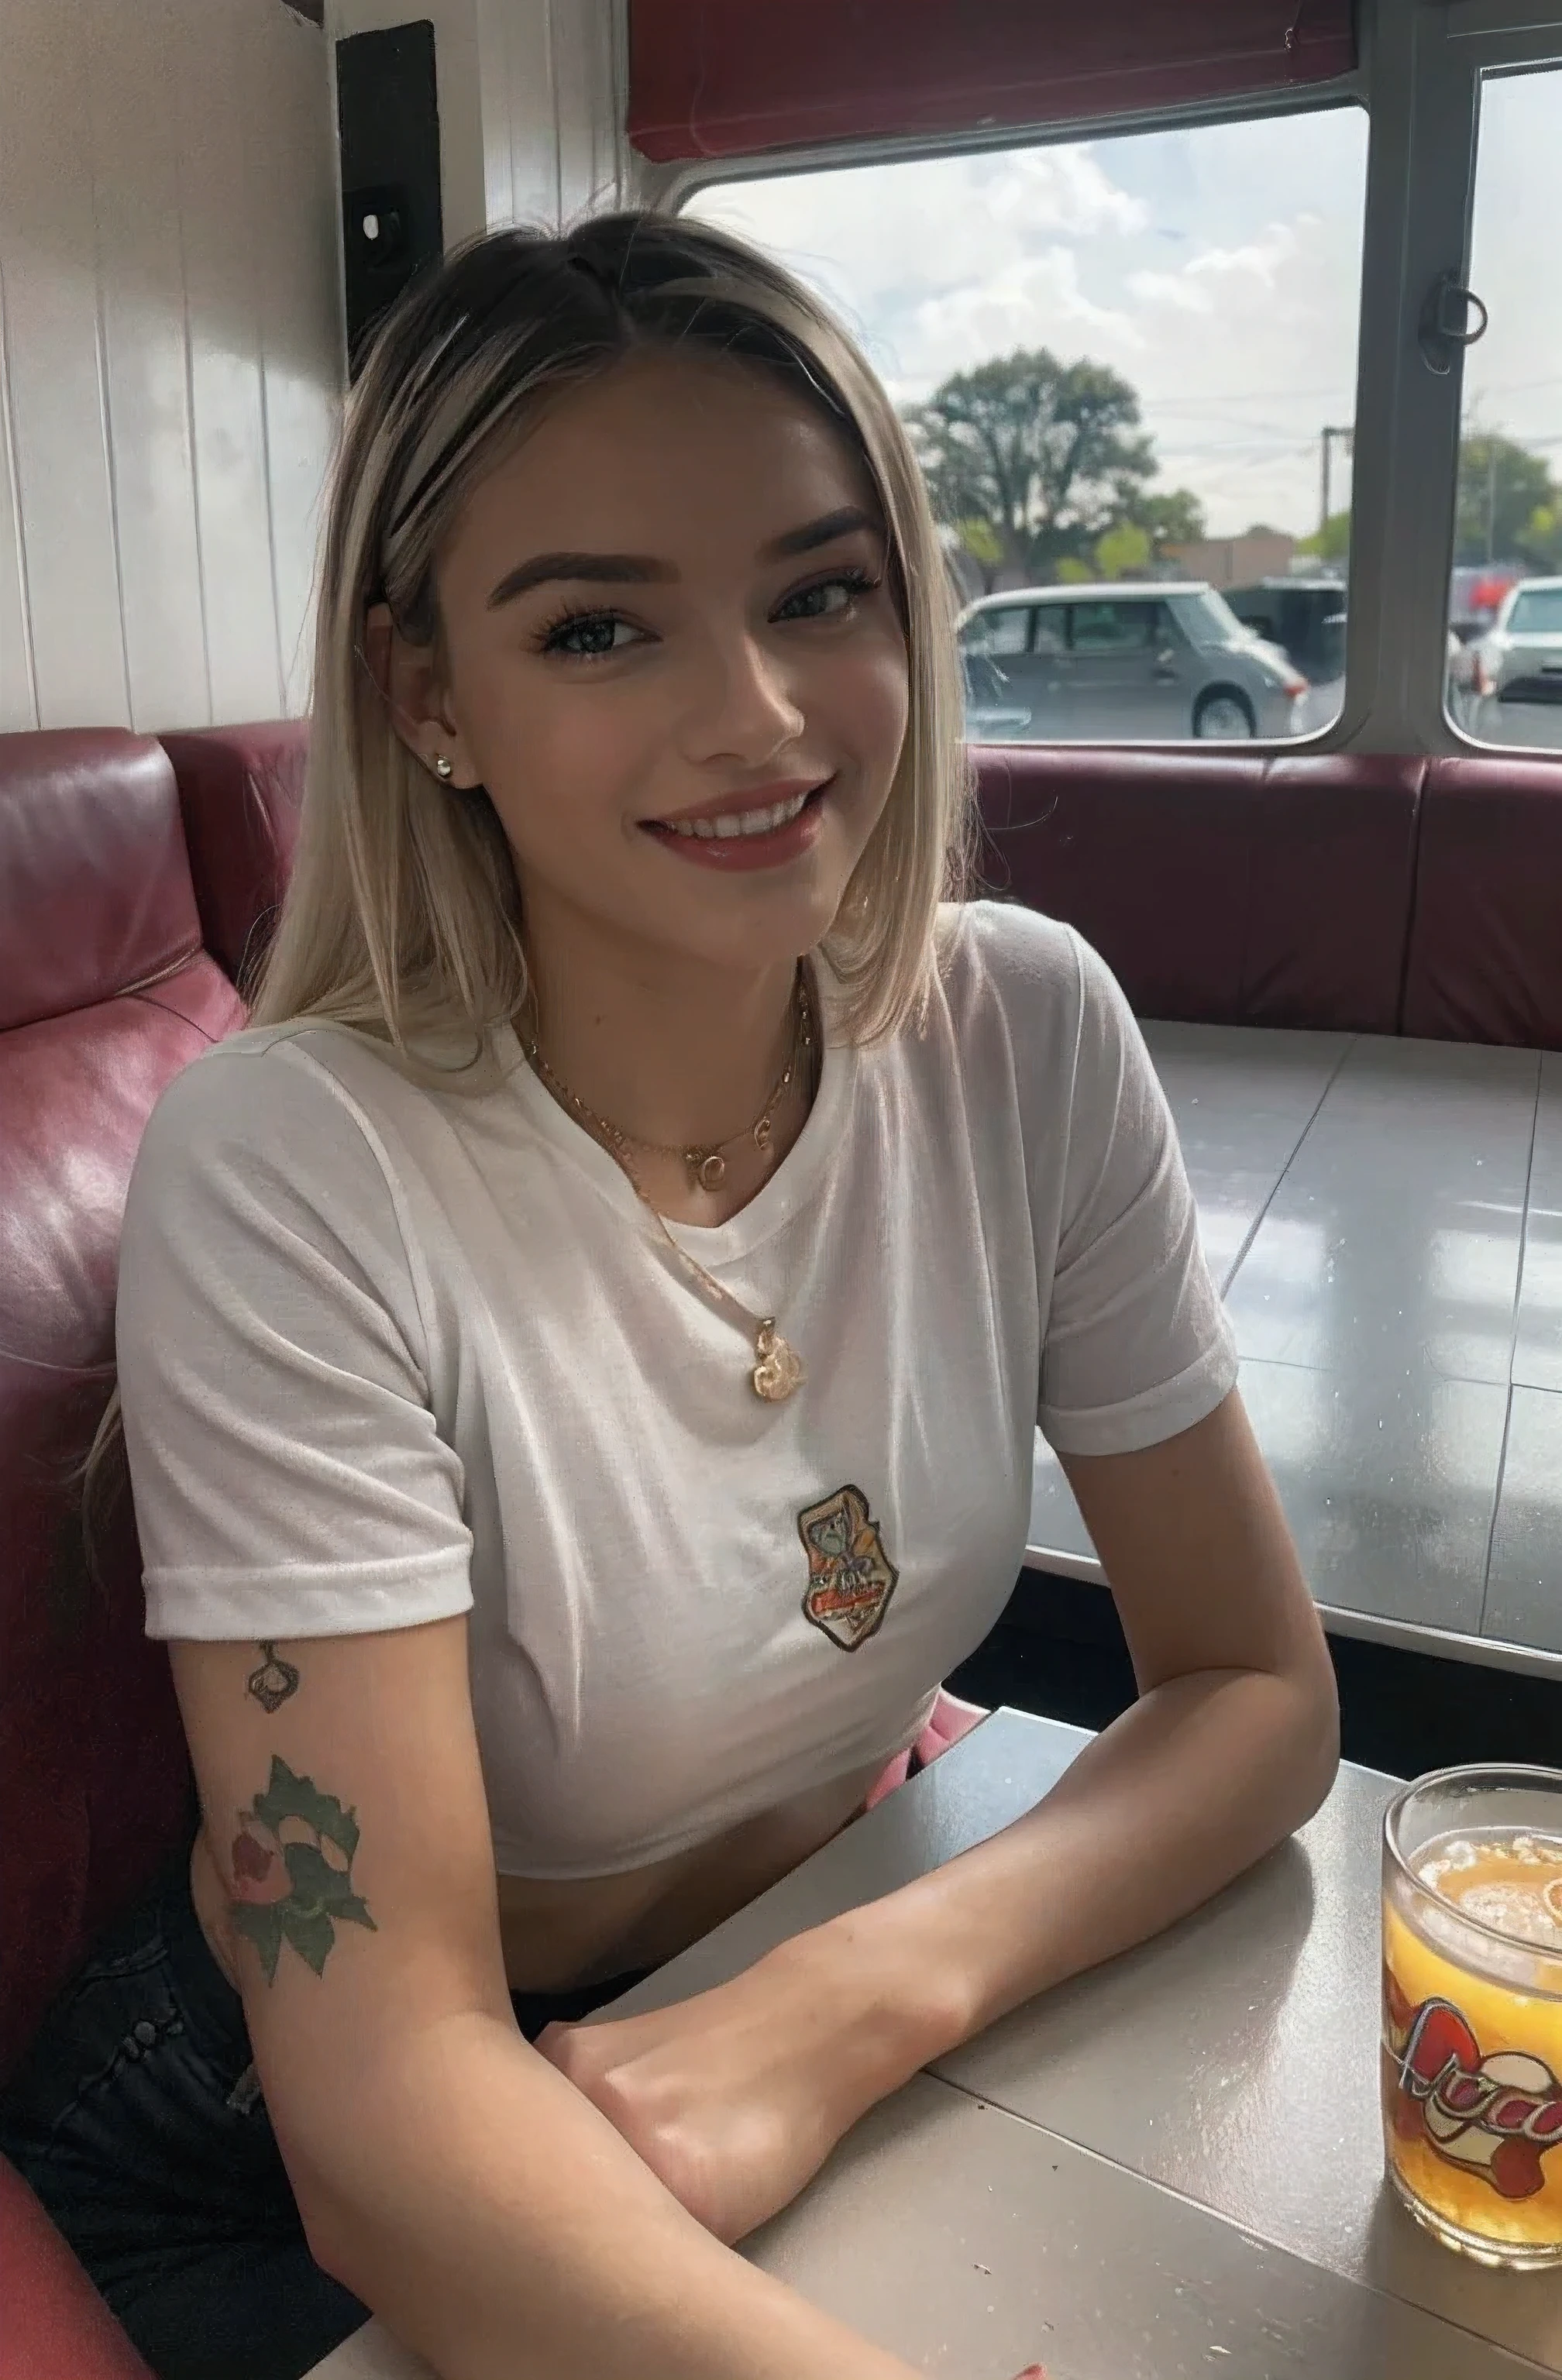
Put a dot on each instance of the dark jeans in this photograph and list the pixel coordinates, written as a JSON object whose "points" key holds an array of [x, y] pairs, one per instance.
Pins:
{"points": [[137, 2119]]}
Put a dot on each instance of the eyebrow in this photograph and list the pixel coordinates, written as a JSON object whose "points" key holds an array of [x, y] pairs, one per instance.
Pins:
{"points": [[643, 569]]}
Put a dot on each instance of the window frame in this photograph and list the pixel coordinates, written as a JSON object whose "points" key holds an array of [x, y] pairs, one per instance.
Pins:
{"points": [[1418, 81]]}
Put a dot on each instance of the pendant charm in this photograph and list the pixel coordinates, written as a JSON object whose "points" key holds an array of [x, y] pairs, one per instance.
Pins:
{"points": [[779, 1368], [710, 1172], [762, 1133]]}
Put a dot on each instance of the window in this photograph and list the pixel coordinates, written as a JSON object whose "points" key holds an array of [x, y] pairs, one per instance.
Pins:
{"points": [[1127, 362], [1505, 614], [1112, 628], [1537, 609], [997, 632]]}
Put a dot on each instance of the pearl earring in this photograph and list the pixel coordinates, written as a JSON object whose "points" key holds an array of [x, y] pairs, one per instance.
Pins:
{"points": [[443, 767]]}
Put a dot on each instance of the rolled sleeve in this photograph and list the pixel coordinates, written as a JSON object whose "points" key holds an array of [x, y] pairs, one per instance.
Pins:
{"points": [[287, 1473]]}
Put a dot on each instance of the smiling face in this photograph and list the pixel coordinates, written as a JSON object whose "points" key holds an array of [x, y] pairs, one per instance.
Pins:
{"points": [[671, 598]]}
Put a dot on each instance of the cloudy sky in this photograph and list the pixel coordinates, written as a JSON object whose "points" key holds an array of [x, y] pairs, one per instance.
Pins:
{"points": [[1218, 270]]}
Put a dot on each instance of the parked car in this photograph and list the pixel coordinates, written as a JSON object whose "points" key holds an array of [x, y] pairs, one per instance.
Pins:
{"points": [[1304, 616], [994, 713], [1516, 681], [1131, 664]]}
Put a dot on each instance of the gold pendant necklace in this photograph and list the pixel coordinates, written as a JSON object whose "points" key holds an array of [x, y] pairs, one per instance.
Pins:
{"points": [[777, 1367], [707, 1166]]}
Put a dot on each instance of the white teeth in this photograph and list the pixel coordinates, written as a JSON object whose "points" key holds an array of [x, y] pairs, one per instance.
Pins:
{"points": [[729, 829]]}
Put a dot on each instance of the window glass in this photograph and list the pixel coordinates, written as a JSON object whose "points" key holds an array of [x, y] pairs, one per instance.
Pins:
{"points": [[1112, 628], [1504, 612], [1209, 619], [1537, 611], [995, 632], [1127, 360]]}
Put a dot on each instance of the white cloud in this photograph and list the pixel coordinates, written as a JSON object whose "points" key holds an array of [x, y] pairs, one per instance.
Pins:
{"points": [[1217, 270], [1036, 301]]}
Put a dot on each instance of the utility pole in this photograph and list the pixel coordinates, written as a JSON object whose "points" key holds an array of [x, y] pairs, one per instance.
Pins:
{"points": [[1329, 433], [1491, 499]]}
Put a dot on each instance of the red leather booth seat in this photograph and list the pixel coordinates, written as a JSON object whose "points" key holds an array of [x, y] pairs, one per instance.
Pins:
{"points": [[1219, 888], [1351, 892], [54, 2326], [239, 790], [105, 992], [1360, 893], [1485, 961]]}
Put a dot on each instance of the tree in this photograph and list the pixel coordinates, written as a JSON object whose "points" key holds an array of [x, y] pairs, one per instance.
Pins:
{"points": [[1049, 454], [1541, 542], [1506, 490], [1171, 516], [1330, 544], [1124, 552]]}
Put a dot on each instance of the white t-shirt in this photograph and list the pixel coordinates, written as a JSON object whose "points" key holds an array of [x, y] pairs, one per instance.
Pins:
{"points": [[390, 1353]]}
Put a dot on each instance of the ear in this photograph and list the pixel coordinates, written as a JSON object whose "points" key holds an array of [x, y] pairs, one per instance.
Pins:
{"points": [[409, 679]]}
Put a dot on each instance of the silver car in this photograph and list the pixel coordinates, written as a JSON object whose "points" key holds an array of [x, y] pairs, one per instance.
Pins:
{"points": [[1122, 664], [1515, 682]]}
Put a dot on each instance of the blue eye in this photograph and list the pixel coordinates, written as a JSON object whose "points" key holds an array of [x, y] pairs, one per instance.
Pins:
{"points": [[584, 636]]}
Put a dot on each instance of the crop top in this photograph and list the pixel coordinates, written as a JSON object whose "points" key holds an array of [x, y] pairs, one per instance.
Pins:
{"points": [[389, 1353]]}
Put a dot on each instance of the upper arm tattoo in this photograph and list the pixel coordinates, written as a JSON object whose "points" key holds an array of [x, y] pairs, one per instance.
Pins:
{"points": [[275, 1680], [292, 1869]]}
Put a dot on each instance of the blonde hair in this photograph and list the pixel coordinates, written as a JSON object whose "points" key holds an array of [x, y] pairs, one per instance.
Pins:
{"points": [[402, 915]]}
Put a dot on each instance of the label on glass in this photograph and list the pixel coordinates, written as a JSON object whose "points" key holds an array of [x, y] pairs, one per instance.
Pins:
{"points": [[1494, 2116]]}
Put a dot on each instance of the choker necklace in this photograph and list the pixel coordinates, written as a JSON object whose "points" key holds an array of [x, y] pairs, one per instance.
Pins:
{"points": [[777, 1367], [707, 1167]]}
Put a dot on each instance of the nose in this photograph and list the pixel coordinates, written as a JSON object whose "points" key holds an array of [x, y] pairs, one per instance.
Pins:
{"points": [[742, 704]]}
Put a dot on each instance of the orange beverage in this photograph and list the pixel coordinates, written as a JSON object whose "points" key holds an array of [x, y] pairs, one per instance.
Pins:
{"points": [[1473, 2010]]}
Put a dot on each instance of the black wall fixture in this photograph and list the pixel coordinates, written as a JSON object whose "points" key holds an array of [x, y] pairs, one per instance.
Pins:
{"points": [[387, 122]]}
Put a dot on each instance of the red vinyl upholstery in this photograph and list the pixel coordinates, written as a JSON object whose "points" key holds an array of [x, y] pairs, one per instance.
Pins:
{"points": [[1220, 888], [54, 2326], [1485, 957], [240, 791], [105, 992]]}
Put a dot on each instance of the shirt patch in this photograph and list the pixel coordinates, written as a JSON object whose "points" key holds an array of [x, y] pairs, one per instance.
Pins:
{"points": [[850, 1578]]}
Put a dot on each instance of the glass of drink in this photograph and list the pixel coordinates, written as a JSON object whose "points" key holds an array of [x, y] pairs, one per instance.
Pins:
{"points": [[1472, 2010]]}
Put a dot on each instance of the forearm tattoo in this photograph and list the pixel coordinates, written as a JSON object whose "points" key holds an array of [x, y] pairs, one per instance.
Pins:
{"points": [[292, 1871], [275, 1680]]}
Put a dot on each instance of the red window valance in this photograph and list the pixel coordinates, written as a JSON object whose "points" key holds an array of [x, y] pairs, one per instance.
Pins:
{"points": [[737, 77]]}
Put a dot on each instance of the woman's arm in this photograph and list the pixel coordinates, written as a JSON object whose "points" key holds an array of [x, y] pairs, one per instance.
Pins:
{"points": [[738, 2096], [1233, 1744], [442, 2171]]}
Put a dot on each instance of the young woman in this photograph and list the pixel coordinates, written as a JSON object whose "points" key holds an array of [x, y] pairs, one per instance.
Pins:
{"points": [[579, 1354]]}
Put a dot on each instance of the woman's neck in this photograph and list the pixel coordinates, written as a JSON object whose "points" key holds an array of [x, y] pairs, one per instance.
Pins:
{"points": [[672, 1056]]}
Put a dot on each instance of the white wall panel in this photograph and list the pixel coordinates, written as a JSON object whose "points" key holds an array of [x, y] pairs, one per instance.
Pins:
{"points": [[53, 364], [518, 75], [301, 359], [135, 172], [223, 234], [18, 709], [587, 111], [170, 356]]}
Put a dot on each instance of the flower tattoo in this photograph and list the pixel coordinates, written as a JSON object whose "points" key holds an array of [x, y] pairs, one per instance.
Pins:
{"points": [[292, 1870]]}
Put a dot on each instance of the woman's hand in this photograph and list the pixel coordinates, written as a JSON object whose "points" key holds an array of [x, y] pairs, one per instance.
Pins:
{"points": [[736, 2099]]}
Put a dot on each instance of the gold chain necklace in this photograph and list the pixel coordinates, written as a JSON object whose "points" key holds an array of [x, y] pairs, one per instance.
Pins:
{"points": [[707, 1167], [777, 1367]]}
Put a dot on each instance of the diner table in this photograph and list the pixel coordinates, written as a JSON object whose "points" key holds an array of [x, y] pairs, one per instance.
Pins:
{"points": [[1172, 2165], [1384, 1219]]}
